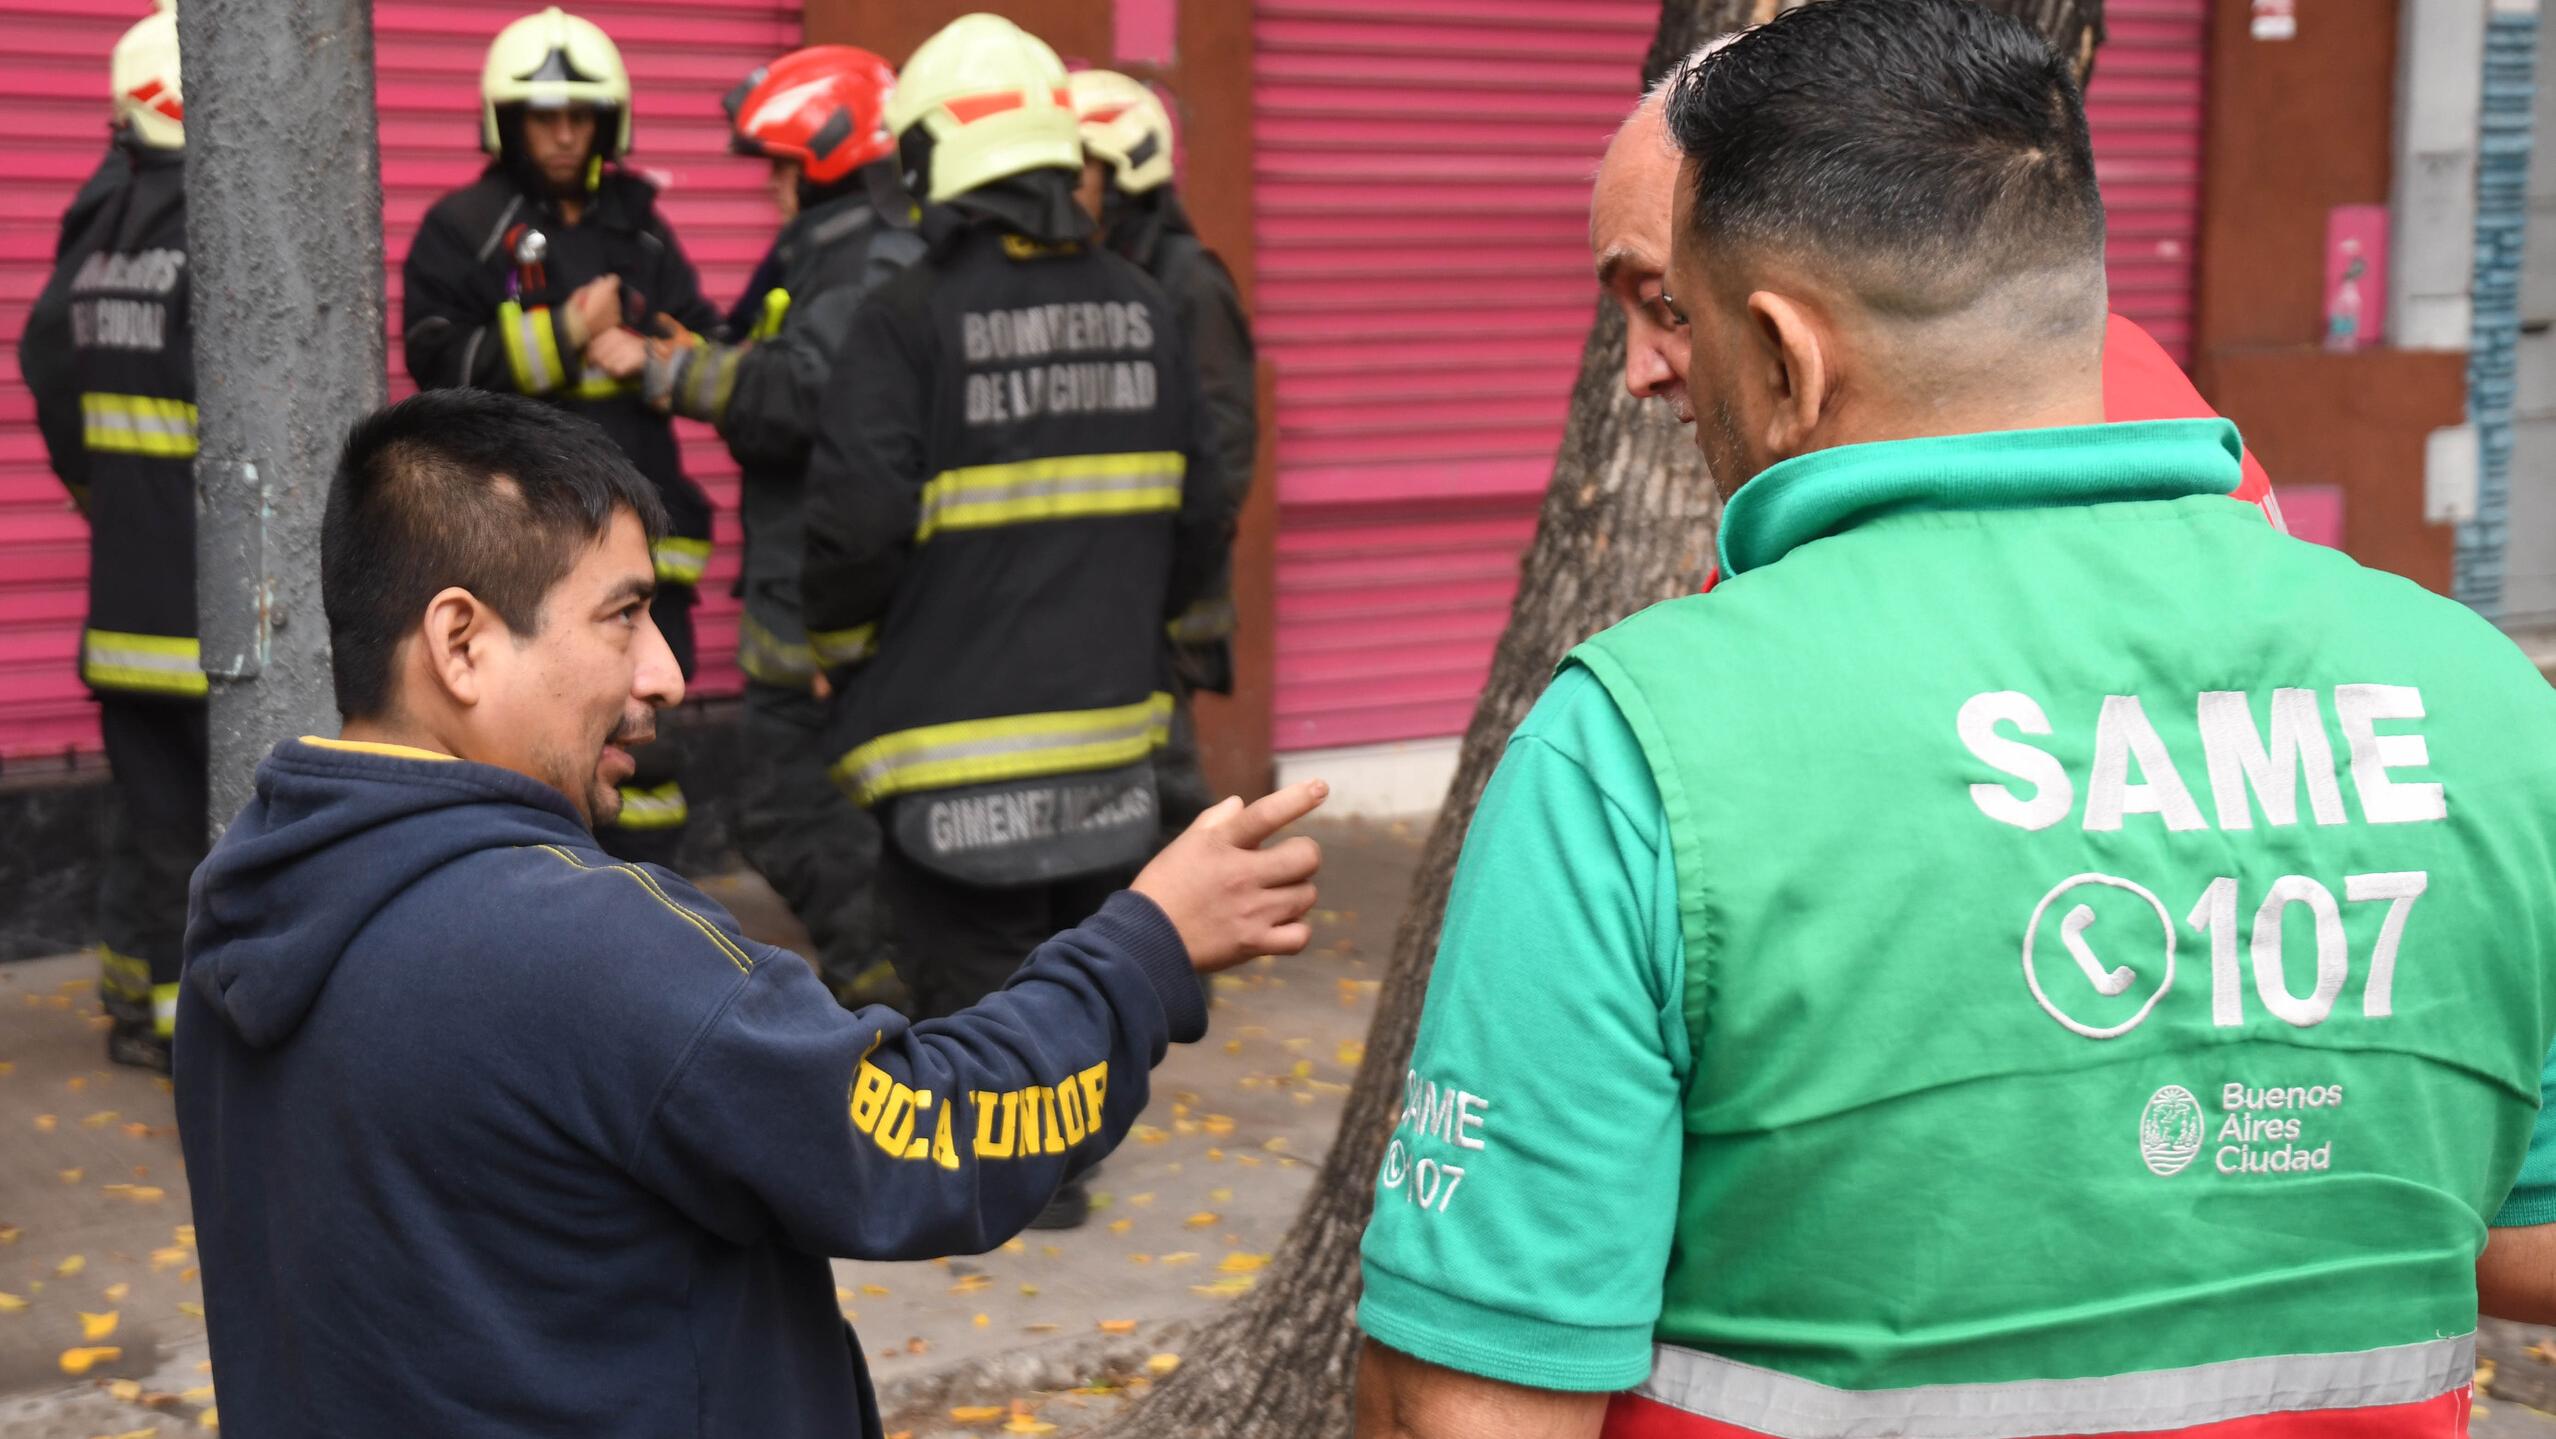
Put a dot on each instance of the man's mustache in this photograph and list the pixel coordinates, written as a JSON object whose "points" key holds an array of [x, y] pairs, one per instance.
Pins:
{"points": [[631, 733]]}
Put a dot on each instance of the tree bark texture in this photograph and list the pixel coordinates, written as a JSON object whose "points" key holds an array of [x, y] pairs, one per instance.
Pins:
{"points": [[1628, 521]]}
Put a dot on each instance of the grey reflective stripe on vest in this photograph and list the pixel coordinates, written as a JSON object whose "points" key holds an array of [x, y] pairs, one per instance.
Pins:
{"points": [[1766, 1402]]}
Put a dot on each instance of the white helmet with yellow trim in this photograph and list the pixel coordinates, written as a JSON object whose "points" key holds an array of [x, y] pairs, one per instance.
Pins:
{"points": [[549, 61], [981, 100], [1124, 127], [144, 73]]}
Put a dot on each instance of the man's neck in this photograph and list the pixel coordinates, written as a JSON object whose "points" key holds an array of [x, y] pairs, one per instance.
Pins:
{"points": [[1925, 420], [394, 729]]}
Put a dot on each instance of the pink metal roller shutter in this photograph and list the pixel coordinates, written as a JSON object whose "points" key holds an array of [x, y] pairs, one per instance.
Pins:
{"points": [[1421, 212], [683, 55], [2145, 110]]}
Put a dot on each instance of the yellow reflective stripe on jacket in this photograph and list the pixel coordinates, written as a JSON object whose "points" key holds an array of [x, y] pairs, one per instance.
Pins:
{"points": [[532, 348], [1060, 487], [681, 561], [145, 664], [845, 646], [767, 657], [1203, 623], [138, 425], [1027, 746], [776, 307], [594, 384], [653, 806], [708, 382], [164, 1003]]}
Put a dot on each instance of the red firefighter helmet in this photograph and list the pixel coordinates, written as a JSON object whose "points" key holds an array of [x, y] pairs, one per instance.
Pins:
{"points": [[824, 106]]}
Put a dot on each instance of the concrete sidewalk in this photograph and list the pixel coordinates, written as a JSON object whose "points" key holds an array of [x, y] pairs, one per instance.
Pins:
{"points": [[91, 1183]]}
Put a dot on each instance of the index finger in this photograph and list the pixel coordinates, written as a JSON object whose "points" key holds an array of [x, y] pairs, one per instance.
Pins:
{"points": [[1275, 811]]}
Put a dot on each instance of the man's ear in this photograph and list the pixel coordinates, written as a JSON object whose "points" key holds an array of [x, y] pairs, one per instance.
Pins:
{"points": [[457, 636], [1795, 345]]}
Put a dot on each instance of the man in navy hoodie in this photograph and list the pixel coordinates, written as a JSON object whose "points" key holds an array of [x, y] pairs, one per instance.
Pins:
{"points": [[426, 1206]]}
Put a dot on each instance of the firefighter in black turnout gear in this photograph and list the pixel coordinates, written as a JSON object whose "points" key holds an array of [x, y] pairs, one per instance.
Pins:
{"points": [[1012, 497], [1127, 188], [819, 115], [108, 353], [541, 277]]}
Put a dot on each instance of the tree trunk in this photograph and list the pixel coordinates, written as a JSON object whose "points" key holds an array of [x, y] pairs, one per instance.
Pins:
{"points": [[1628, 521]]}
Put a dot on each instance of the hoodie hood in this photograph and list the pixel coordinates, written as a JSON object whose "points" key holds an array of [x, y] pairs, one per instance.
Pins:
{"points": [[334, 832]]}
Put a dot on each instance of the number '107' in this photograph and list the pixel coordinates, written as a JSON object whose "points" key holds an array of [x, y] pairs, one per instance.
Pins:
{"points": [[2216, 917]]}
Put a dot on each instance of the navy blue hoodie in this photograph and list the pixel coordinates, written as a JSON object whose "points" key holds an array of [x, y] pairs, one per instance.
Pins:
{"points": [[491, 1135]]}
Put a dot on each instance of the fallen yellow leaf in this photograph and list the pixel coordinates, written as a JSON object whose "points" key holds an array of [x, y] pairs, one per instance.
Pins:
{"points": [[978, 1413], [97, 1326], [70, 1266], [1015, 1246], [9, 1233], [11, 1304], [145, 1193], [875, 1291], [1148, 1134], [7, 1068], [72, 1176], [1302, 1069], [200, 1394], [970, 1283], [1275, 1144], [1140, 1259], [209, 1419], [150, 1433], [76, 1362], [1162, 1364], [1220, 1196], [1140, 1200], [1240, 1263], [100, 1120], [1024, 1424], [128, 1390], [841, 1294], [2544, 1351], [1219, 1125], [1031, 1289], [1201, 1220], [186, 1235], [190, 1309], [1121, 1226], [137, 1130], [1215, 1156], [984, 1321], [1183, 1257], [1225, 1288], [1233, 1046], [1350, 1054], [115, 1292], [46, 1123], [1118, 1326]]}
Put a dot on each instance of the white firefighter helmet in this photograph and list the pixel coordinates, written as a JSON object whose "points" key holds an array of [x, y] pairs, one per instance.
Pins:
{"points": [[1124, 127], [144, 73], [552, 60], [989, 100]]}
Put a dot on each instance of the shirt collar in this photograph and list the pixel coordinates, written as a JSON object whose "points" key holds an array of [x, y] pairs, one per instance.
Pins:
{"points": [[1827, 492]]}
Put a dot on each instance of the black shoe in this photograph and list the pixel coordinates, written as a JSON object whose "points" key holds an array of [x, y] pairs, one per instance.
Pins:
{"points": [[1070, 1209], [138, 1045]]}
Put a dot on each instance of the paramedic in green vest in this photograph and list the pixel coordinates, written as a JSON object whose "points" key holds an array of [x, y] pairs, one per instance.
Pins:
{"points": [[2046, 953]]}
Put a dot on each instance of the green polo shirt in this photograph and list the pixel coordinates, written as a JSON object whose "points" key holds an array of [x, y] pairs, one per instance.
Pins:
{"points": [[1525, 1208]]}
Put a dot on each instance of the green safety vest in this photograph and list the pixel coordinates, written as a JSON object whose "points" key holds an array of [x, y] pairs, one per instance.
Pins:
{"points": [[2119, 949]]}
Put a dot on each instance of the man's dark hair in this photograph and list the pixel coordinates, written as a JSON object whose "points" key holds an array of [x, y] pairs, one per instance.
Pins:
{"points": [[1927, 148], [492, 493]]}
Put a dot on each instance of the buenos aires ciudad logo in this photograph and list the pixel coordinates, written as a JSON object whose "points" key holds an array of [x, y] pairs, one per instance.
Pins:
{"points": [[2170, 1130]]}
